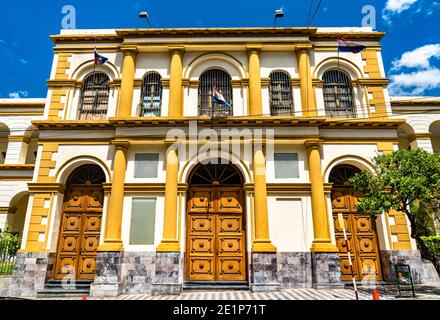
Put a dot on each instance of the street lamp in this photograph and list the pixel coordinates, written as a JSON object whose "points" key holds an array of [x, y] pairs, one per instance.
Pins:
{"points": [[279, 13], [144, 15]]}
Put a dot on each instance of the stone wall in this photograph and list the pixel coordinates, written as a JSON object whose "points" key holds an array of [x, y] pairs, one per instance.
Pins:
{"points": [[326, 271], [294, 269], [168, 273], [30, 274], [264, 272], [4, 285], [108, 275], [423, 271], [137, 272]]}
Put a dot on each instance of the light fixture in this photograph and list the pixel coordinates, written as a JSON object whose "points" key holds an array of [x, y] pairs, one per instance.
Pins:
{"points": [[144, 15], [279, 13]]}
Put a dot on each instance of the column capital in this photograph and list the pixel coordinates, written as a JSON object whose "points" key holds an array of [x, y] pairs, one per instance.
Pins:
{"points": [[176, 50], [306, 47], [129, 50], [121, 144], [19, 138], [253, 48], [313, 144]]}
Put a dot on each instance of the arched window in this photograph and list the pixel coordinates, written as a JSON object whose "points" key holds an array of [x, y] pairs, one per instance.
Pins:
{"points": [[94, 97], [151, 100], [210, 80], [280, 94], [338, 95]]}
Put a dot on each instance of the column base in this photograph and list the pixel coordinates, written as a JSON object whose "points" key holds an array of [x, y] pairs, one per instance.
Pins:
{"points": [[111, 246], [167, 277], [323, 246], [263, 246], [264, 272], [326, 270], [168, 246], [108, 275]]}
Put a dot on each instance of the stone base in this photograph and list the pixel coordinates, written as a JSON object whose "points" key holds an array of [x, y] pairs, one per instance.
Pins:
{"points": [[264, 272], [137, 272], [294, 269], [423, 271], [326, 270], [30, 273], [5, 281], [167, 276], [108, 274]]}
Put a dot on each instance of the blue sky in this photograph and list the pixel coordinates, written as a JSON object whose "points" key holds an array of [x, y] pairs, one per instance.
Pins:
{"points": [[411, 49]]}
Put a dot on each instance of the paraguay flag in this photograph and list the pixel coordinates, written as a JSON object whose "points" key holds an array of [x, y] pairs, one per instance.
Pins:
{"points": [[99, 59], [218, 98], [349, 46]]}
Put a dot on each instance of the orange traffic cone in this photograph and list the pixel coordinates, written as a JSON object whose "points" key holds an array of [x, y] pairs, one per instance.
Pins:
{"points": [[376, 295]]}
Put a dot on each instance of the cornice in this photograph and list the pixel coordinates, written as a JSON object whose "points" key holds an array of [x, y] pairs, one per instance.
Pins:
{"points": [[248, 121]]}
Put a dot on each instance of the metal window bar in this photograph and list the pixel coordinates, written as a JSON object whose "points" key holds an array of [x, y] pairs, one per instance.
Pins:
{"points": [[280, 93], [151, 100], [94, 97], [338, 95], [8, 253], [210, 79]]}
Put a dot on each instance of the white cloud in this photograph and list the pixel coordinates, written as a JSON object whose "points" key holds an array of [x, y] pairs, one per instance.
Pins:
{"points": [[18, 94], [424, 76], [397, 6], [418, 58], [414, 83]]}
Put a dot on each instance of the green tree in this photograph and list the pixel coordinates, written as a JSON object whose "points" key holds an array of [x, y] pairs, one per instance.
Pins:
{"points": [[407, 181]]}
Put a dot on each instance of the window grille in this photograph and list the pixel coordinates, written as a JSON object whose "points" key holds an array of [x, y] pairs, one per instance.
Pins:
{"points": [[151, 100], [280, 93], [94, 97], [338, 95], [221, 80]]}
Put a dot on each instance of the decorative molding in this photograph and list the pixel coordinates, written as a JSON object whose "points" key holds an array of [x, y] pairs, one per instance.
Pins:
{"points": [[13, 167], [46, 187], [63, 83]]}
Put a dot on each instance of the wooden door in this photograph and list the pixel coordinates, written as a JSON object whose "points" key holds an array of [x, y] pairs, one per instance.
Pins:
{"points": [[215, 235], [79, 232], [361, 234]]}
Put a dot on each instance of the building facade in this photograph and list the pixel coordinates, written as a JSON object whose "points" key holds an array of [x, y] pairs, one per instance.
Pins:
{"points": [[144, 184]]}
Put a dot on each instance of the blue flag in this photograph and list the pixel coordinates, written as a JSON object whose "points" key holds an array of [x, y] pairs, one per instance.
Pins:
{"points": [[99, 59]]}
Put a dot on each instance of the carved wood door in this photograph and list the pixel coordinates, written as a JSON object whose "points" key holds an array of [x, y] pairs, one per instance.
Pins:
{"points": [[361, 234], [215, 235], [79, 232]]}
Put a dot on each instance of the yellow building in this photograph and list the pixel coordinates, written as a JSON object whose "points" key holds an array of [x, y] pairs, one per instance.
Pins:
{"points": [[144, 182]]}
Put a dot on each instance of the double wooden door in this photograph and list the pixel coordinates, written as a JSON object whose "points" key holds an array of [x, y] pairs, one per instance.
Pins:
{"points": [[215, 235], [79, 232], [361, 234]]}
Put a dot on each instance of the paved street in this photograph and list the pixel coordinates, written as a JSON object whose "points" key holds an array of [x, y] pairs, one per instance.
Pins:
{"points": [[385, 292]]}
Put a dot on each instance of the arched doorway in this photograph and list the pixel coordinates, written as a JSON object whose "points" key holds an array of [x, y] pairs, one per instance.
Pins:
{"points": [[80, 226], [359, 227], [216, 237]]}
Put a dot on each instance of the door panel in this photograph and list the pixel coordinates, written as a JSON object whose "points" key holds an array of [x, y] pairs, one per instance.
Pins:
{"points": [[229, 201], [216, 239], [361, 235], [200, 200], [79, 233]]}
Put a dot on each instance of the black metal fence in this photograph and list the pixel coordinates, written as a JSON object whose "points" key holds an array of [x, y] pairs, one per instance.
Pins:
{"points": [[8, 252]]}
